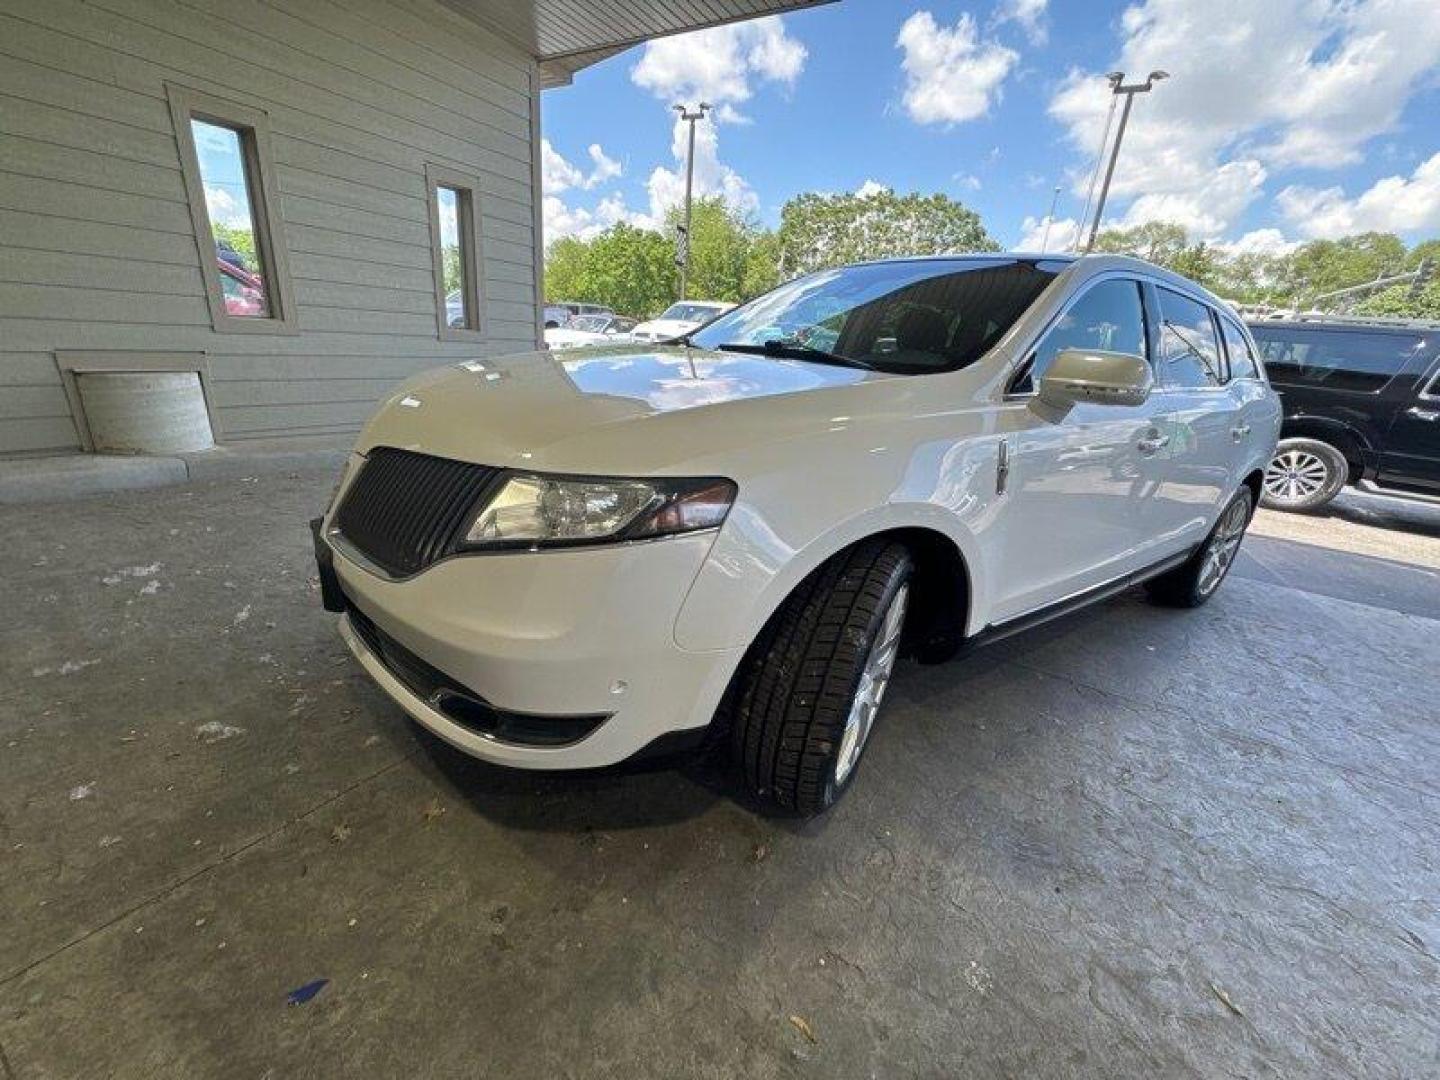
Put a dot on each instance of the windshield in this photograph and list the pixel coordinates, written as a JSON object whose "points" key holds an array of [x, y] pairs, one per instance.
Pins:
{"points": [[683, 312], [591, 324], [906, 318]]}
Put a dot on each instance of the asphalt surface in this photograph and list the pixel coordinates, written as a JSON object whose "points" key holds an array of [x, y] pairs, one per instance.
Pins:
{"points": [[1140, 842]]}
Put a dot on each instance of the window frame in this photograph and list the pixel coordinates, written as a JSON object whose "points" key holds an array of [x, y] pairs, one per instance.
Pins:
{"points": [[466, 187], [252, 125], [1251, 346], [1027, 364], [1162, 370]]}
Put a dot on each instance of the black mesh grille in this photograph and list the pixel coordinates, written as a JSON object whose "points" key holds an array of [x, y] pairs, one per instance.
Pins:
{"points": [[405, 510]]}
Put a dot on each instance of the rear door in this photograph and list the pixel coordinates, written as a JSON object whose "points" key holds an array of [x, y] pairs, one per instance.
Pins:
{"points": [[1259, 417], [1198, 422], [1410, 458]]}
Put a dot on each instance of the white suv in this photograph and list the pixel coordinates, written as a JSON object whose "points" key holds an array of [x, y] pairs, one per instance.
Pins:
{"points": [[561, 561]]}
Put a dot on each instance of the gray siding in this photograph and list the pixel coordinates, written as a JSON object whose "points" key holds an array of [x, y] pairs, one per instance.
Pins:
{"points": [[97, 251]]}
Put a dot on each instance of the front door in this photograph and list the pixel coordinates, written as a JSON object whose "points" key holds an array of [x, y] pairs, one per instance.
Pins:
{"points": [[1077, 484], [1411, 455]]}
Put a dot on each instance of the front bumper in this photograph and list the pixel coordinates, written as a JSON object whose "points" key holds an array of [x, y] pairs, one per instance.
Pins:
{"points": [[567, 634]]}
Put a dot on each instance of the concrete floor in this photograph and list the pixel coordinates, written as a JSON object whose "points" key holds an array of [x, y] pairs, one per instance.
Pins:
{"points": [[1138, 843]]}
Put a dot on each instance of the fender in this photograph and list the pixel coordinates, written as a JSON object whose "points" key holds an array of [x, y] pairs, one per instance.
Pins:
{"points": [[1305, 425], [751, 570]]}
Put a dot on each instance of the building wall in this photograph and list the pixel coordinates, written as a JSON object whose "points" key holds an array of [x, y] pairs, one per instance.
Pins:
{"points": [[97, 249]]}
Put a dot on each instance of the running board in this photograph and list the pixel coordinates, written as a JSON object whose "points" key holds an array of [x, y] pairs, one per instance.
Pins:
{"points": [[1073, 603], [1372, 488]]}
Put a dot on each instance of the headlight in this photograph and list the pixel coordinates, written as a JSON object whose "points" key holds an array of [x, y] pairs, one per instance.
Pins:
{"points": [[542, 511]]}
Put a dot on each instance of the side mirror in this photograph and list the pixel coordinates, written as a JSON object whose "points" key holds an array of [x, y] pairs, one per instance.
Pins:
{"points": [[1104, 378]]}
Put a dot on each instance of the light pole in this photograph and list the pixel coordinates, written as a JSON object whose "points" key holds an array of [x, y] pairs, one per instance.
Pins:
{"points": [[1117, 87], [682, 252], [1049, 220]]}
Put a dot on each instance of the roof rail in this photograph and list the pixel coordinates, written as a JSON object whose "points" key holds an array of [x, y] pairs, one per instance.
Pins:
{"points": [[1346, 320]]}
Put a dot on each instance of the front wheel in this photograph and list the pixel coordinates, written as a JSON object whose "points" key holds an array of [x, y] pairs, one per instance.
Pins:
{"points": [[810, 689], [1194, 581], [1304, 474]]}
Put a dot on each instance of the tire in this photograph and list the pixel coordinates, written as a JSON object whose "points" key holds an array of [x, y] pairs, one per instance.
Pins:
{"points": [[810, 688], [1196, 580], [1304, 474]]}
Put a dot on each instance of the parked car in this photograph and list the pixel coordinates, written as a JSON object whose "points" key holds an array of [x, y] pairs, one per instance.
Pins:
{"points": [[560, 562], [1362, 406], [590, 330], [679, 319], [559, 312], [243, 291]]}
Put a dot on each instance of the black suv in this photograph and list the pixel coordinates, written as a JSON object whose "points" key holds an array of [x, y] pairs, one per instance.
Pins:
{"points": [[1362, 406]]}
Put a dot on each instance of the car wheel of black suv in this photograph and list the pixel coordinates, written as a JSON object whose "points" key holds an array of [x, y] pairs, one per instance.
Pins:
{"points": [[1304, 474], [809, 690], [1194, 581]]}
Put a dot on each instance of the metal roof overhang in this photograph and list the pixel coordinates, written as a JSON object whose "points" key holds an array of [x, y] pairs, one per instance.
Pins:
{"points": [[568, 35]]}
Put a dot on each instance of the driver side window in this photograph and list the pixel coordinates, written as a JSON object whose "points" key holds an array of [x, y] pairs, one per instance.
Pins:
{"points": [[1109, 317]]}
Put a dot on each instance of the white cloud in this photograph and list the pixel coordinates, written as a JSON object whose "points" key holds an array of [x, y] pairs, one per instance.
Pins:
{"points": [[666, 187], [719, 65], [225, 209], [1061, 236], [558, 174], [1255, 87], [950, 74], [1259, 242], [969, 181], [1392, 204], [871, 188], [1028, 14]]}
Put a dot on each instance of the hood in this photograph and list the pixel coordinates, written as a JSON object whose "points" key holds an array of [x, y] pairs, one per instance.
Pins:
{"points": [[620, 409], [563, 337], [666, 328]]}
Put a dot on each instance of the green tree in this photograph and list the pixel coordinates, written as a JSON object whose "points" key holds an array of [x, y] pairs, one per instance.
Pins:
{"points": [[631, 270], [1166, 244], [1322, 266], [722, 243], [821, 231]]}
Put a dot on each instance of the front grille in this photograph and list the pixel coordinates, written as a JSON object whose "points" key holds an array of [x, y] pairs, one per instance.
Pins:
{"points": [[461, 704], [406, 510]]}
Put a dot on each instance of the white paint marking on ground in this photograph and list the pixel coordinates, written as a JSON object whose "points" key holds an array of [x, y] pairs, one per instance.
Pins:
{"points": [[69, 667], [82, 791], [241, 616], [214, 731], [131, 572]]}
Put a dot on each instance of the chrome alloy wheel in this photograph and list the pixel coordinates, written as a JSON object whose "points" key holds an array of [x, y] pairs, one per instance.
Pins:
{"points": [[1224, 543], [874, 680], [1295, 475]]}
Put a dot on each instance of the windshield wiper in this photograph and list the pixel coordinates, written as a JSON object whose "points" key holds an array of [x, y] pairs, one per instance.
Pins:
{"points": [[1191, 347], [789, 350]]}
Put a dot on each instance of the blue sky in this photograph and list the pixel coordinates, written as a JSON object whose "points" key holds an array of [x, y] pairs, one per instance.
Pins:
{"points": [[1283, 120]]}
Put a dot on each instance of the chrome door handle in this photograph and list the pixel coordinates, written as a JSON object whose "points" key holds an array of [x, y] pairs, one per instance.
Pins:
{"points": [[1423, 414], [1153, 444]]}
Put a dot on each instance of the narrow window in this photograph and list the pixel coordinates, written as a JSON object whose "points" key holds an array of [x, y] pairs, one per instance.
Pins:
{"points": [[455, 242], [225, 158]]}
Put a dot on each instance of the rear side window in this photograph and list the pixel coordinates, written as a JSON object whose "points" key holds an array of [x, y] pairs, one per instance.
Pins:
{"points": [[1350, 360], [1109, 317], [1243, 364], [1189, 349]]}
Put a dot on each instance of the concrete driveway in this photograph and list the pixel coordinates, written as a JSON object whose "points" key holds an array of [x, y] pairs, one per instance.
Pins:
{"points": [[1137, 843]]}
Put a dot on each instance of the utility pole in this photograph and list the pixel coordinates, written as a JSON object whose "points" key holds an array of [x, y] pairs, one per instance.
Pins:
{"points": [[1115, 78], [1049, 220], [1118, 87], [682, 242]]}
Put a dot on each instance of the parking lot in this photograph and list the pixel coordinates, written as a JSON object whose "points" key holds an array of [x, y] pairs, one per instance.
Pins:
{"points": [[1139, 842]]}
